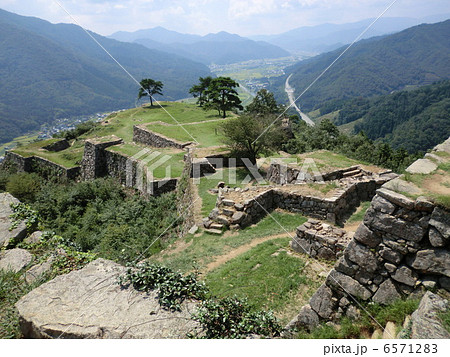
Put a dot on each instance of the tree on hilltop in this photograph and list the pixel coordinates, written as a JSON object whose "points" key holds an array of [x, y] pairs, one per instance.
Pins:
{"points": [[264, 103], [150, 87], [217, 93]]}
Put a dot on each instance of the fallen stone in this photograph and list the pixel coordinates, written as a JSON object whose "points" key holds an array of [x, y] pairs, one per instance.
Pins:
{"points": [[307, 318], [223, 220], [426, 323], [37, 271], [214, 231], [389, 331], [34, 238], [6, 235], [405, 275], [421, 166], [88, 303], [193, 229], [228, 203], [432, 261], [15, 259], [353, 312], [346, 283], [322, 303], [386, 293]]}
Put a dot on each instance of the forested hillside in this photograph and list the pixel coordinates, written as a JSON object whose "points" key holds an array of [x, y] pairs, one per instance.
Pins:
{"points": [[416, 56], [51, 71], [415, 120]]}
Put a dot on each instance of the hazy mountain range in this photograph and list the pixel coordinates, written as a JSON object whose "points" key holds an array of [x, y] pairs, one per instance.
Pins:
{"points": [[219, 48]]}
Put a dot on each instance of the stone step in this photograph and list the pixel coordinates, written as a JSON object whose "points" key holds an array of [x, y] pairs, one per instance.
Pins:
{"points": [[351, 173], [216, 226], [214, 231]]}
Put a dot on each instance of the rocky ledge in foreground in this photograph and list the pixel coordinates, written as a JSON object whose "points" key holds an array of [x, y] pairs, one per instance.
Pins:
{"points": [[88, 303]]}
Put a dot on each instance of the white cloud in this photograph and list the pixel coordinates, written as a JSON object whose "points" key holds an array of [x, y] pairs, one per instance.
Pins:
{"points": [[242, 9]]}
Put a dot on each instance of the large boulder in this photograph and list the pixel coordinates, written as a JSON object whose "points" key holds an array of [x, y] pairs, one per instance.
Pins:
{"points": [[386, 293], [425, 320], [89, 303], [432, 261], [5, 222], [344, 282], [15, 259]]}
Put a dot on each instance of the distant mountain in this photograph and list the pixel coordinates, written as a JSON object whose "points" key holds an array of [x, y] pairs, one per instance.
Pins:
{"points": [[416, 56], [158, 34], [219, 48], [327, 37], [51, 71]]}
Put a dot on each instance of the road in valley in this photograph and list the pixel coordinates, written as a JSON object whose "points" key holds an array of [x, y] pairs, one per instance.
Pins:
{"points": [[290, 92]]}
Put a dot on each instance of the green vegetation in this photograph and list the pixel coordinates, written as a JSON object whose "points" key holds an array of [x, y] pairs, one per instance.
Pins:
{"points": [[360, 213], [100, 217], [203, 247], [235, 318], [326, 136], [416, 56], [415, 120], [23, 186], [173, 287], [266, 274], [217, 93], [445, 318]]}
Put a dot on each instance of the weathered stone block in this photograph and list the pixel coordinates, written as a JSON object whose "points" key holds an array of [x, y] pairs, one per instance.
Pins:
{"points": [[322, 302], [405, 275], [362, 256], [349, 285], [365, 236], [434, 261], [386, 293]]}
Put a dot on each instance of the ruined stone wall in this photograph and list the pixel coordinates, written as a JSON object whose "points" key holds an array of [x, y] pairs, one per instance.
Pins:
{"points": [[186, 195], [144, 136], [59, 145], [282, 174], [402, 245], [94, 157], [335, 209], [41, 166]]}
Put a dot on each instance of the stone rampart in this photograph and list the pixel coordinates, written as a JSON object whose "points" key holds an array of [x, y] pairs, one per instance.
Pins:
{"points": [[144, 136]]}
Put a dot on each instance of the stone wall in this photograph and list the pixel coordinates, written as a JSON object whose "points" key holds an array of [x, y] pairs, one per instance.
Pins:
{"points": [[320, 240], [59, 145], [186, 195], [334, 209], [94, 159], [282, 174], [144, 136], [402, 246], [41, 166]]}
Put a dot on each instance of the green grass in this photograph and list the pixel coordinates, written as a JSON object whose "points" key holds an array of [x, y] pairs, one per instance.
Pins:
{"points": [[328, 161], [445, 318], [68, 158], [12, 288], [207, 133], [19, 141], [204, 247], [265, 278], [358, 216]]}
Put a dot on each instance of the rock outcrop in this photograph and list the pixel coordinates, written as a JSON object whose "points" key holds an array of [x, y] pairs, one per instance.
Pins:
{"points": [[89, 303], [425, 320], [6, 235], [15, 259]]}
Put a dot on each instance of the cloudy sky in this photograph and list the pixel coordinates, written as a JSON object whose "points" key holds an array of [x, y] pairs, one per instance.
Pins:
{"points": [[245, 17]]}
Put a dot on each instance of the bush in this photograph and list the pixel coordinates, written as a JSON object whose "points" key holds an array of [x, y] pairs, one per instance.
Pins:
{"points": [[174, 288], [24, 186], [234, 318], [81, 129]]}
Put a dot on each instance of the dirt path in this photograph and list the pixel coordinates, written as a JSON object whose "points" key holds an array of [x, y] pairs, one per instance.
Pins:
{"points": [[222, 259]]}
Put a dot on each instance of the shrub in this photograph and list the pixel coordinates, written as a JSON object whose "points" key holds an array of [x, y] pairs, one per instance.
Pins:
{"points": [[174, 288], [234, 318], [24, 186]]}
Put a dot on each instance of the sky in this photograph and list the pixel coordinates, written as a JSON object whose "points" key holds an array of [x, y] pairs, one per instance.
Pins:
{"points": [[244, 17]]}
